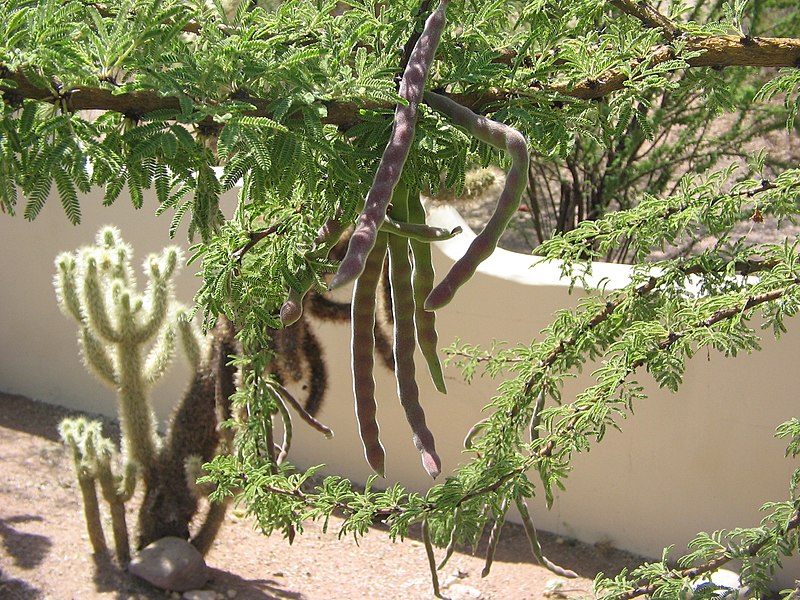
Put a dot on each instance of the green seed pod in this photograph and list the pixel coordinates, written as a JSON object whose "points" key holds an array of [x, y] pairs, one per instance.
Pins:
{"points": [[536, 548], [422, 277]]}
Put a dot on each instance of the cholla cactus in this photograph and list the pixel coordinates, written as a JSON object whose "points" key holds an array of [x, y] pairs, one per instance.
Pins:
{"points": [[94, 457], [127, 339], [96, 286]]}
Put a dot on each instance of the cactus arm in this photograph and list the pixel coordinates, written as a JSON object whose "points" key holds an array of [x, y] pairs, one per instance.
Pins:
{"points": [[67, 287], [73, 433], [96, 306], [116, 502], [160, 355], [136, 417], [193, 347], [95, 356], [159, 292]]}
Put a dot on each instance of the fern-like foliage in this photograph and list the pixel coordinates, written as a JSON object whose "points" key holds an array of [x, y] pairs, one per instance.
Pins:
{"points": [[292, 102]]}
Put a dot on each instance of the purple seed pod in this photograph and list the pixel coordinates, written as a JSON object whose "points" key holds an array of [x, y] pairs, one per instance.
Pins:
{"points": [[290, 400], [502, 137], [292, 309], [412, 87], [404, 345], [363, 347]]}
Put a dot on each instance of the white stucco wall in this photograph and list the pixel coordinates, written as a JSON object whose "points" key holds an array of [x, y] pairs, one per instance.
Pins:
{"points": [[703, 459]]}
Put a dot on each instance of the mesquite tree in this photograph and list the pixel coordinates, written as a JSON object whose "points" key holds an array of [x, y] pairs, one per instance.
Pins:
{"points": [[331, 115]]}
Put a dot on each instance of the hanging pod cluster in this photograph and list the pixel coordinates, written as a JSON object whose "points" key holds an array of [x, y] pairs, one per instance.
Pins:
{"points": [[406, 238]]}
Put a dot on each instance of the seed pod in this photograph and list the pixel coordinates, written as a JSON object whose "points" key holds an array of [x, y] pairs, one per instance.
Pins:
{"points": [[290, 400], [412, 86], [502, 137], [426, 539], [422, 282], [419, 231], [451, 543], [494, 537], [536, 548], [473, 432], [404, 346], [362, 353], [292, 309], [286, 418]]}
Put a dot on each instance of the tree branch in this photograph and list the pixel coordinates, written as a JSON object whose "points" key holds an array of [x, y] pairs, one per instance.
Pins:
{"points": [[648, 15], [715, 563], [716, 51]]}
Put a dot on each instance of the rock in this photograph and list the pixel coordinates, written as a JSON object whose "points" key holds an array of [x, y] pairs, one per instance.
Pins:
{"points": [[459, 591], [726, 580], [171, 563], [199, 595]]}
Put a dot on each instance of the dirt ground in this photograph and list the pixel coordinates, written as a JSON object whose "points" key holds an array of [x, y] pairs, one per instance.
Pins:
{"points": [[45, 551]]}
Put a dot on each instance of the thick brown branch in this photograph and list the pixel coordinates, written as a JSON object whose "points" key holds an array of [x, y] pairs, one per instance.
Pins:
{"points": [[716, 51], [647, 15]]}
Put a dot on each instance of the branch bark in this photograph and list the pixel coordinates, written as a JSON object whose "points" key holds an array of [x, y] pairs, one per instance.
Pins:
{"points": [[716, 51]]}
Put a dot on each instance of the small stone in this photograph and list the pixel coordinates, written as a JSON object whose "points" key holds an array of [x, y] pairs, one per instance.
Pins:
{"points": [[232, 593], [459, 591], [171, 563], [199, 595]]}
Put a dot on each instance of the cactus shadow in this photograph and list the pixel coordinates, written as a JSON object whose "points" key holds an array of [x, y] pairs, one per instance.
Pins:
{"points": [[252, 589], [110, 578], [17, 588], [27, 550]]}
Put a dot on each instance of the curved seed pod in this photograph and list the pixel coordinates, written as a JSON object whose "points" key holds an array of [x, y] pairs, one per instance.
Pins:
{"points": [[292, 309], [404, 345], [328, 235], [426, 539], [419, 231], [536, 548], [412, 86], [422, 277], [451, 544], [502, 137], [362, 353], [290, 400], [287, 428], [474, 431], [494, 537]]}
